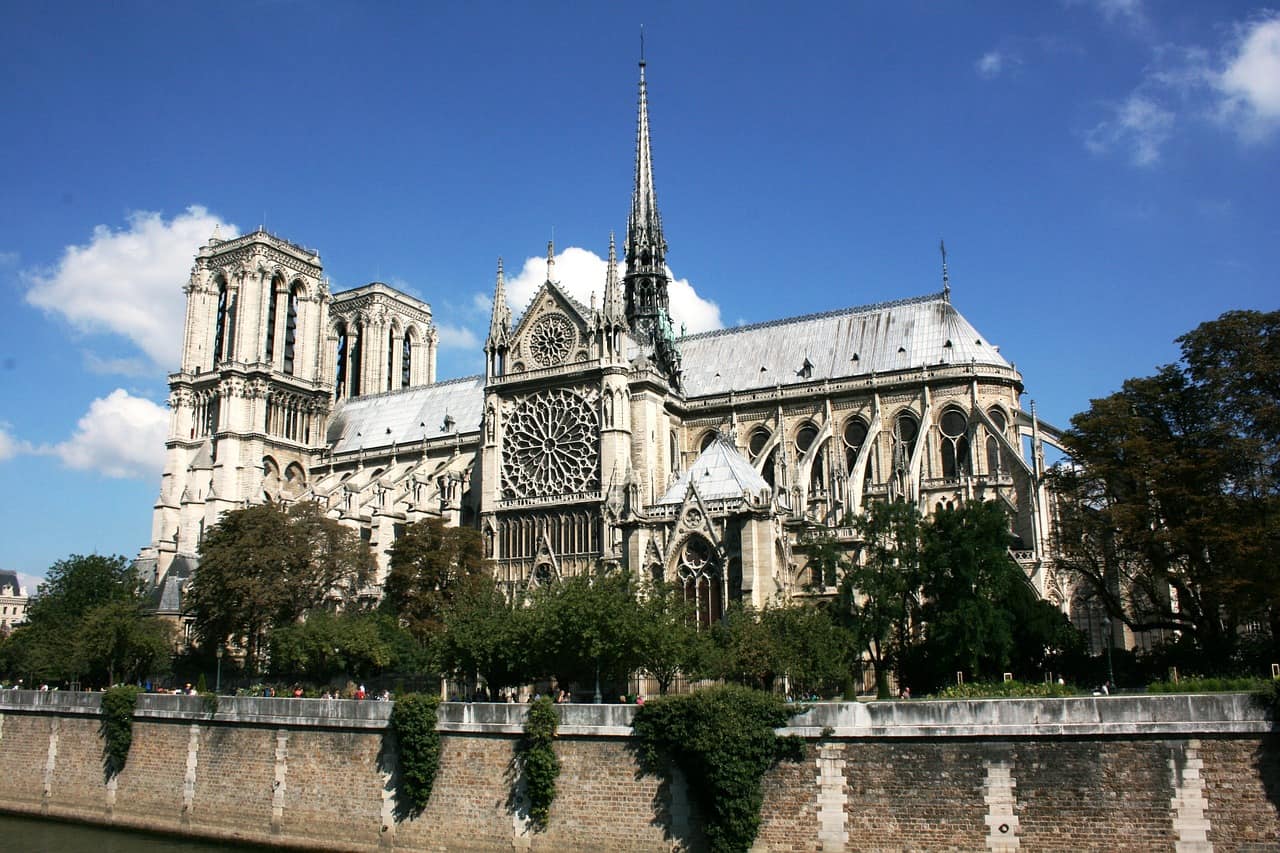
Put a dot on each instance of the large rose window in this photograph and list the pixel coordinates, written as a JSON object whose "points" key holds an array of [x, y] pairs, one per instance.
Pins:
{"points": [[550, 447], [551, 339]]}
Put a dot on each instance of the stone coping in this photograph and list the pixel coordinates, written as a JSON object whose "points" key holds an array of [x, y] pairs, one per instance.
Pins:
{"points": [[1171, 714]]}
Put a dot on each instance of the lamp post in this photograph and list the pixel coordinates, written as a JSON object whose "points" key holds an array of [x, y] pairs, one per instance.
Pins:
{"points": [[1111, 673], [217, 684]]}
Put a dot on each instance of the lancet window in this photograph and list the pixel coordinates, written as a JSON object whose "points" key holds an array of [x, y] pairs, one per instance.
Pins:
{"points": [[905, 431], [699, 572], [291, 328], [277, 285], [955, 444], [224, 326], [995, 461], [569, 534], [406, 359], [344, 347]]}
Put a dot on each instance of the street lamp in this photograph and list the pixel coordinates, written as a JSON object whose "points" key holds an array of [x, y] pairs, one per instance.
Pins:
{"points": [[1111, 673], [217, 684]]}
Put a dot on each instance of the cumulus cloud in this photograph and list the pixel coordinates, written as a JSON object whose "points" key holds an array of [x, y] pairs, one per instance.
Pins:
{"points": [[457, 337], [120, 436], [9, 445], [1139, 125], [581, 272], [990, 64], [1250, 83], [129, 281]]}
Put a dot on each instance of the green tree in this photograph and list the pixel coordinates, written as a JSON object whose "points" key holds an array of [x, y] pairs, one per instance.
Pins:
{"points": [[120, 641], [809, 648], [1170, 505], [267, 566], [669, 641], [485, 635], [878, 599], [86, 620], [428, 565], [327, 644], [585, 627], [973, 590], [744, 649]]}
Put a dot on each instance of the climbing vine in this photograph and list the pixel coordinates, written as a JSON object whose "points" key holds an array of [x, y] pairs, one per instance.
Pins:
{"points": [[413, 719], [722, 739], [538, 759], [117, 726]]}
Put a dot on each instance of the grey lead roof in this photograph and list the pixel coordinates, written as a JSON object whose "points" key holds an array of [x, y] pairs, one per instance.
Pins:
{"points": [[882, 338], [720, 471], [407, 416]]}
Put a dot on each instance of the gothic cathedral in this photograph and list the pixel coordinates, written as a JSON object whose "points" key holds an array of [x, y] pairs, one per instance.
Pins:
{"points": [[597, 437]]}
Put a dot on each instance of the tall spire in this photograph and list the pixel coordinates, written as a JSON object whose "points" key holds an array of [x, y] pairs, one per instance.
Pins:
{"points": [[646, 249], [551, 260], [946, 279], [500, 323], [614, 310]]}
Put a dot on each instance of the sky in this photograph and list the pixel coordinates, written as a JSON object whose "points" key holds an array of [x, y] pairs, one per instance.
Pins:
{"points": [[1105, 174]]}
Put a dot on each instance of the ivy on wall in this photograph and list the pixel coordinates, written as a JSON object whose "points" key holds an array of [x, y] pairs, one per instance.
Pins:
{"points": [[117, 727], [723, 740], [413, 719], [538, 762]]}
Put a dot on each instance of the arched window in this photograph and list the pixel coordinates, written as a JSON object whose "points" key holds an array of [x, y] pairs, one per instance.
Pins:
{"points": [[220, 326], [340, 380], [406, 359], [805, 438], [759, 438], [699, 573], [356, 346], [291, 327], [675, 452], [392, 345], [277, 284], [955, 443], [906, 429], [705, 442]]}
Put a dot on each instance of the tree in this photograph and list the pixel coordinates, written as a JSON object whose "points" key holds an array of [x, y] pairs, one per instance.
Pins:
{"points": [[744, 651], [429, 563], [51, 646], [586, 627], [328, 644], [669, 642], [267, 566], [878, 599], [485, 635], [809, 648], [119, 640], [1170, 504]]}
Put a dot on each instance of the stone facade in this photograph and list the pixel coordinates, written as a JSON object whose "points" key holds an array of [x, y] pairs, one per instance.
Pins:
{"points": [[13, 603], [598, 436], [1046, 775]]}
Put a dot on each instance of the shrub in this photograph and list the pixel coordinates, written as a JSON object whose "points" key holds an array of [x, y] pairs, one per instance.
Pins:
{"points": [[413, 719], [538, 760], [117, 726], [1004, 690], [1209, 685], [723, 740]]}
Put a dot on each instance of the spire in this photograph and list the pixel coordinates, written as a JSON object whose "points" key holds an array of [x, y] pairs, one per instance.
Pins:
{"points": [[551, 260], [500, 323], [946, 280], [646, 250], [613, 307]]}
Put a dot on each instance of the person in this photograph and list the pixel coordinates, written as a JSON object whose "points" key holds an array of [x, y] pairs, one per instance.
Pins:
{"points": [[297, 692], [906, 693], [639, 698], [360, 694]]}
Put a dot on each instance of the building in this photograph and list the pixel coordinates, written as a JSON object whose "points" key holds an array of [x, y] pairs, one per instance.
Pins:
{"points": [[13, 603], [596, 436]]}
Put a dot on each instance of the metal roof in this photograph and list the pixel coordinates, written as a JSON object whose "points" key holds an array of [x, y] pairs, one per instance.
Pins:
{"points": [[407, 416], [882, 338], [720, 471]]}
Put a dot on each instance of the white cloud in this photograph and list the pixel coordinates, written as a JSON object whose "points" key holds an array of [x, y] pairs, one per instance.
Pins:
{"points": [[120, 436], [581, 272], [9, 259], [1112, 10], [9, 445], [990, 64], [1250, 83], [95, 363], [129, 282], [1139, 125], [457, 337]]}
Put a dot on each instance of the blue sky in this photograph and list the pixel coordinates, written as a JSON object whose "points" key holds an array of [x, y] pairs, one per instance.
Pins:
{"points": [[1104, 173]]}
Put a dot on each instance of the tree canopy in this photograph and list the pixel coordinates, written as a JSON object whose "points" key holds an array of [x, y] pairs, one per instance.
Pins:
{"points": [[267, 566], [1170, 509], [429, 564]]}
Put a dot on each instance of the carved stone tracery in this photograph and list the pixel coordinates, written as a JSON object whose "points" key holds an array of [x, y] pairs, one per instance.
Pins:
{"points": [[550, 446], [551, 340]]}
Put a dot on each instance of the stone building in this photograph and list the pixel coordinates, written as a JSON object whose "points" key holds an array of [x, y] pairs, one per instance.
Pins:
{"points": [[596, 436], [13, 603]]}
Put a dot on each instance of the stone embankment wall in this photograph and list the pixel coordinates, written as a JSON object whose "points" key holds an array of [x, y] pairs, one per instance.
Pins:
{"points": [[1184, 773]]}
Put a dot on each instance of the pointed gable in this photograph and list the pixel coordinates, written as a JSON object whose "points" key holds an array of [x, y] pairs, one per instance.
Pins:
{"points": [[720, 471]]}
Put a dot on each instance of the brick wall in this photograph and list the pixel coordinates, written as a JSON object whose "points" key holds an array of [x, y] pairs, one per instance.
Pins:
{"points": [[1189, 775]]}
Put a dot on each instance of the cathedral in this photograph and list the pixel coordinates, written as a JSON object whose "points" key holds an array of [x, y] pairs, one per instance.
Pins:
{"points": [[597, 436]]}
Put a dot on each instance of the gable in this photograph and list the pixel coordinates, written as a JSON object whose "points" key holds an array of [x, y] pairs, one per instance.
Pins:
{"points": [[555, 330]]}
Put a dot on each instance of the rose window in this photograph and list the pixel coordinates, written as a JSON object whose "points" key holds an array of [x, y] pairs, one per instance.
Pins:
{"points": [[551, 340], [550, 447]]}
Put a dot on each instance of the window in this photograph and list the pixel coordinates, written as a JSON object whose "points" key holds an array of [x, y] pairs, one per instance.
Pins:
{"points": [[220, 326], [955, 444], [699, 573], [406, 360], [905, 431], [291, 328], [707, 437], [805, 437], [340, 381], [756, 443]]}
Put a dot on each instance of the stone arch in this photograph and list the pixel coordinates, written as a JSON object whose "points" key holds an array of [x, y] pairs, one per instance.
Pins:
{"points": [[953, 439], [697, 568]]}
